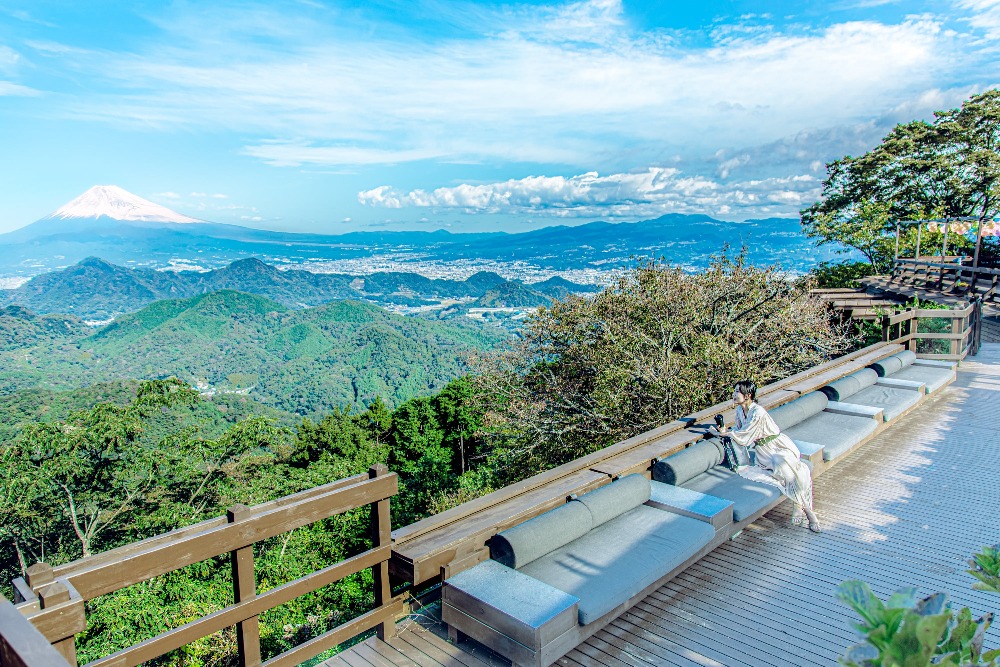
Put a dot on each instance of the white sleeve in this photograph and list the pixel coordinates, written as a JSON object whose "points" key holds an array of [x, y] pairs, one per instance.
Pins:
{"points": [[750, 430]]}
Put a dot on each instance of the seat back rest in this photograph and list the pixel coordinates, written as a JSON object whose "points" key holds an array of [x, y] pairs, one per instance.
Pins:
{"points": [[849, 385], [799, 410], [896, 362], [528, 541], [616, 498], [689, 463]]}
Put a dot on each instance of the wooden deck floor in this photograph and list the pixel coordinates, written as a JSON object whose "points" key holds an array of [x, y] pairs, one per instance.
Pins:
{"points": [[908, 508]]}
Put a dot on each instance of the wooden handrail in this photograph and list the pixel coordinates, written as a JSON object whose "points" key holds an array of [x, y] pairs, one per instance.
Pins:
{"points": [[56, 610]]}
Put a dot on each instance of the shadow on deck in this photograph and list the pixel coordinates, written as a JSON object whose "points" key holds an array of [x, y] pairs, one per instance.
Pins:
{"points": [[908, 508]]}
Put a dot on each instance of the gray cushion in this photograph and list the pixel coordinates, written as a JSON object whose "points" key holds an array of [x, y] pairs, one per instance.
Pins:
{"points": [[690, 462], [837, 433], [893, 401], [618, 559], [849, 385], [800, 409], [934, 377], [616, 498], [747, 496], [890, 365], [518, 546]]}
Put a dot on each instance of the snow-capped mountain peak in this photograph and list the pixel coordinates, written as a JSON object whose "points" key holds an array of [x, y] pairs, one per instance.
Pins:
{"points": [[113, 202]]}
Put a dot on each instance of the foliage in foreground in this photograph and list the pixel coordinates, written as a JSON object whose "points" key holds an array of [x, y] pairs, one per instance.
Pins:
{"points": [[121, 471], [905, 631], [656, 345]]}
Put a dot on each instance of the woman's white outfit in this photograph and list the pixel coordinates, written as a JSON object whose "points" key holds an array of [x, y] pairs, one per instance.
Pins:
{"points": [[778, 461]]}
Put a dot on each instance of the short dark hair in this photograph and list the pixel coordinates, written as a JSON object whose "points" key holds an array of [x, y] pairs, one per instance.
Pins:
{"points": [[747, 388]]}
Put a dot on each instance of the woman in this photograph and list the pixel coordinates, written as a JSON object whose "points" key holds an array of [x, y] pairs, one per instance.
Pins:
{"points": [[778, 461]]}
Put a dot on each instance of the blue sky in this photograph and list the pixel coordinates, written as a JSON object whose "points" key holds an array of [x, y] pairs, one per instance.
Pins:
{"points": [[335, 116]]}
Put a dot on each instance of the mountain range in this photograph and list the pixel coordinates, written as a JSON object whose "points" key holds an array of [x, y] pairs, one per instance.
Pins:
{"points": [[122, 228], [305, 361], [97, 290]]}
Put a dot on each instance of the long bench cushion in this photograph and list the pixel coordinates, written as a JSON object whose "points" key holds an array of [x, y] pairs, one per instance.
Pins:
{"points": [[934, 377], [618, 559], [849, 385], [892, 400], [748, 497], [525, 542], [616, 498], [799, 410], [689, 463], [892, 364], [837, 433]]}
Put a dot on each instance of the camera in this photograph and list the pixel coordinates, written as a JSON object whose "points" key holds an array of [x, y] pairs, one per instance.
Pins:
{"points": [[720, 421]]}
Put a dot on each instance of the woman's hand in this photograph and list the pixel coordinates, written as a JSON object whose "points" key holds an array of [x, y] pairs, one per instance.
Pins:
{"points": [[718, 432]]}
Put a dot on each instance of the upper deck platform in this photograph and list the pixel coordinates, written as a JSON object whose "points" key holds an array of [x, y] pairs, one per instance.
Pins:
{"points": [[907, 509]]}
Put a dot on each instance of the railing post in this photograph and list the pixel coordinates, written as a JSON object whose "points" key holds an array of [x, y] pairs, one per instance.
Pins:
{"points": [[381, 530], [885, 329], [244, 588], [51, 595]]}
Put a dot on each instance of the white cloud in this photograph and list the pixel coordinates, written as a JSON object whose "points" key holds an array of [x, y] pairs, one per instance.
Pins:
{"points": [[651, 192], [984, 15], [566, 84], [10, 89], [167, 195]]}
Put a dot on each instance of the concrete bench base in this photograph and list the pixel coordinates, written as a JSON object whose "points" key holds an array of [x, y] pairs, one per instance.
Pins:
{"points": [[517, 616], [713, 510]]}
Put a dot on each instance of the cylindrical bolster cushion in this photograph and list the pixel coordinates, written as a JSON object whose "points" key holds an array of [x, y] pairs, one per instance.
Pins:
{"points": [[689, 463], [518, 546], [616, 498], [849, 385], [802, 408], [896, 362]]}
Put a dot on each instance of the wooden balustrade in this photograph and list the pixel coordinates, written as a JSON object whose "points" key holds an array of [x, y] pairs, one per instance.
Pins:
{"points": [[904, 328], [21, 645], [52, 598]]}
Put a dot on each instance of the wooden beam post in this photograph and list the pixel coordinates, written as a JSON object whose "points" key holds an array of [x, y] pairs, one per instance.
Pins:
{"points": [[896, 256], [381, 531], [975, 254], [916, 255], [51, 595], [244, 588]]}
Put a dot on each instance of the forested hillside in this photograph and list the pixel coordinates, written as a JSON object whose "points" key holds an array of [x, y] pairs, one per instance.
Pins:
{"points": [[96, 289], [306, 361]]}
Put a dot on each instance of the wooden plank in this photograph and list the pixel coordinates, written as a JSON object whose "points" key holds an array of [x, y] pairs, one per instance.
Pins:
{"points": [[338, 635], [379, 653], [438, 650], [105, 577], [381, 527], [253, 606]]}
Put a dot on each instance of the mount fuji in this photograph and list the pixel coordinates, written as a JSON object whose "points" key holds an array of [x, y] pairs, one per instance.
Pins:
{"points": [[111, 201]]}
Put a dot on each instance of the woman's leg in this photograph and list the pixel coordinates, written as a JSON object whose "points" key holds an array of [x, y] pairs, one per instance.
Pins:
{"points": [[813, 520]]}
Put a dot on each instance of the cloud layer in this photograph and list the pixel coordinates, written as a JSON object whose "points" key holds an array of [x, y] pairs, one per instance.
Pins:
{"points": [[649, 193]]}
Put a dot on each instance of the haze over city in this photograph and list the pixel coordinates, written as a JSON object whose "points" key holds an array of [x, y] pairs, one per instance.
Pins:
{"points": [[330, 117]]}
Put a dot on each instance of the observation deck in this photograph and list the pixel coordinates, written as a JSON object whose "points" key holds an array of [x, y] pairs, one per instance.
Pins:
{"points": [[907, 509]]}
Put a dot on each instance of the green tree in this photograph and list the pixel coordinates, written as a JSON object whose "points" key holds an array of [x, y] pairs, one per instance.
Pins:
{"points": [[656, 345], [946, 168]]}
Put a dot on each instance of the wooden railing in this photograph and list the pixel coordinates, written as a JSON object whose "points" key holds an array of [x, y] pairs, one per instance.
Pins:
{"points": [[946, 277], [52, 598], [447, 543], [962, 335]]}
